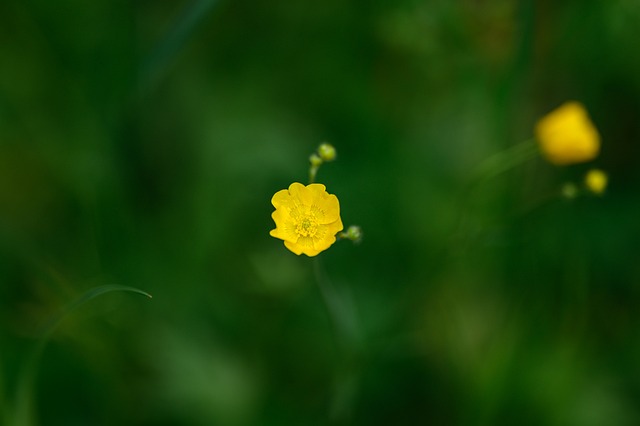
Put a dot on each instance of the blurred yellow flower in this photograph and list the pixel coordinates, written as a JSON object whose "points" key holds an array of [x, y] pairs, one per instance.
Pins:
{"points": [[307, 218], [567, 136], [596, 181]]}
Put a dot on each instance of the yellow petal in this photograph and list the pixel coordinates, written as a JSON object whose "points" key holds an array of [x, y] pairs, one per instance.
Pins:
{"points": [[335, 227], [317, 190], [300, 194], [326, 209], [324, 243], [281, 198], [285, 227], [326, 235], [305, 246], [293, 247]]}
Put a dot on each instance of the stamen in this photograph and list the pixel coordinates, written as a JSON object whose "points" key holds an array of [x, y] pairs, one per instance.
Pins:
{"points": [[307, 226]]}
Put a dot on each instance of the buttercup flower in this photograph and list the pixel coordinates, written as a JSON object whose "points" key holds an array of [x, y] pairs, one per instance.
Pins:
{"points": [[596, 181], [567, 136], [307, 218]]}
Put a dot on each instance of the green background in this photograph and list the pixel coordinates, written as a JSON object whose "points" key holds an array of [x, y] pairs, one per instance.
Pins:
{"points": [[140, 145]]}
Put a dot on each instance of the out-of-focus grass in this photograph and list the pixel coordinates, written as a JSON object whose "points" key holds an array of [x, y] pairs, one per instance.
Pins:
{"points": [[121, 166]]}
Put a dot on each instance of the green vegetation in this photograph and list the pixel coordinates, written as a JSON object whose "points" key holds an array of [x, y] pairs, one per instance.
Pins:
{"points": [[141, 143]]}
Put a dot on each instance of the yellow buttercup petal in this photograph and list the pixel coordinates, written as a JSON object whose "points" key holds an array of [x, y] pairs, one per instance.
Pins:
{"points": [[293, 247], [281, 198], [324, 243], [327, 209], [300, 194], [286, 229], [317, 190], [335, 227]]}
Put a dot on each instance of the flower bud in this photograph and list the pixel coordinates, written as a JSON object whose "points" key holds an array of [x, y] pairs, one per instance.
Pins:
{"points": [[315, 160], [353, 233], [596, 181], [569, 191], [327, 152]]}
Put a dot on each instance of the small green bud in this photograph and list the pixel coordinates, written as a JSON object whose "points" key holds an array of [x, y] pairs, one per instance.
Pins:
{"points": [[315, 160], [327, 152], [353, 233], [569, 190]]}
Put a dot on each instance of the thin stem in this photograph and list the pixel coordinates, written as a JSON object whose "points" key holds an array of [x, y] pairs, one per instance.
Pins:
{"points": [[342, 316], [3, 405], [505, 160], [313, 171], [156, 63], [53, 323], [340, 312], [492, 167]]}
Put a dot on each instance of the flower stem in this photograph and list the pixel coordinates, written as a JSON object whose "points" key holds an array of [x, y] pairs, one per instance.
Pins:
{"points": [[505, 160], [343, 318], [313, 171], [340, 312], [492, 167], [3, 405]]}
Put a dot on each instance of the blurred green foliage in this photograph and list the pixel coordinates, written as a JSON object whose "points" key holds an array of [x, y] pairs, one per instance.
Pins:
{"points": [[141, 142]]}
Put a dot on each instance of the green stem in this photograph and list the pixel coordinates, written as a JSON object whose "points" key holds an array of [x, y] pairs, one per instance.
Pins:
{"points": [[157, 62], [505, 160], [490, 168], [313, 171], [23, 413], [53, 323], [342, 316], [3, 405]]}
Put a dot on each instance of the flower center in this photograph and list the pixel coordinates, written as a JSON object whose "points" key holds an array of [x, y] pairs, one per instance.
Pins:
{"points": [[307, 226]]}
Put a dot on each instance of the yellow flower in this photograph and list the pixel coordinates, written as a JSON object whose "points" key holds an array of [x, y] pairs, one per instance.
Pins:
{"points": [[307, 218], [596, 181], [567, 136]]}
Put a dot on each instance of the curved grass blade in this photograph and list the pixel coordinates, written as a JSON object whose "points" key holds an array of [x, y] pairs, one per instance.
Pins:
{"points": [[24, 413], [3, 404], [161, 56], [505, 161], [50, 327]]}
